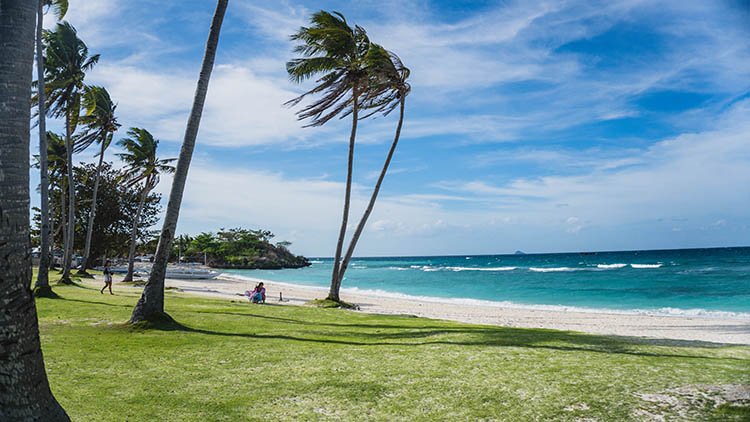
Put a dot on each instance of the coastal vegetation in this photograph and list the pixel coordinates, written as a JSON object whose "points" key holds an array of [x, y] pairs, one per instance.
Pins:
{"points": [[357, 76], [237, 248], [229, 360]]}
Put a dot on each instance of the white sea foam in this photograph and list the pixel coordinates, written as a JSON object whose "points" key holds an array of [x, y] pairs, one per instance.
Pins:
{"points": [[646, 265], [429, 268], [398, 268], [553, 269], [611, 266], [480, 269], [701, 313], [317, 262]]}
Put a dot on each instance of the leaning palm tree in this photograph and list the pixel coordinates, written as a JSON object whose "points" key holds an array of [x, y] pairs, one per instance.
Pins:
{"points": [[388, 77], [100, 124], [65, 67], [143, 168], [331, 48], [150, 306], [24, 389], [42, 287]]}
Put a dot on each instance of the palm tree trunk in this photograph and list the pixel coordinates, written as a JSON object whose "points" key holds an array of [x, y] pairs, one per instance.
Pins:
{"points": [[373, 197], [134, 233], [52, 235], [42, 287], [63, 217], [24, 390], [68, 259], [333, 293], [92, 213], [150, 306]]}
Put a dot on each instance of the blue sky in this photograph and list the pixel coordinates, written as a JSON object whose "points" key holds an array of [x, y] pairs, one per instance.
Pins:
{"points": [[540, 126]]}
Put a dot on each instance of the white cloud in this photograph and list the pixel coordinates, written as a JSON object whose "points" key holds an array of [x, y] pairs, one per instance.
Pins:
{"points": [[691, 175], [242, 109]]}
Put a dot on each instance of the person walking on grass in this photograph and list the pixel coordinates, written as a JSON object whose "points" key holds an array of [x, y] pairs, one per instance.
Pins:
{"points": [[107, 278]]}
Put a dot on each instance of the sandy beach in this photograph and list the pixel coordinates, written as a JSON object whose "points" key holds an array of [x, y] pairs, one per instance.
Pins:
{"points": [[685, 328]]}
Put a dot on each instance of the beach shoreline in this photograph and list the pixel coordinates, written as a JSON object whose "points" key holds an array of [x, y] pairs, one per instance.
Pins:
{"points": [[664, 327]]}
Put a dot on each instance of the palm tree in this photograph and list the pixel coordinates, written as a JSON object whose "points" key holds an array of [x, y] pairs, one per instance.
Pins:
{"points": [[57, 169], [388, 75], [100, 124], [332, 48], [142, 166], [42, 287], [150, 306], [24, 391], [64, 70]]}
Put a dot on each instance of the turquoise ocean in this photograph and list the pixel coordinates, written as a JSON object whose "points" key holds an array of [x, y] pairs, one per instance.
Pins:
{"points": [[697, 282]]}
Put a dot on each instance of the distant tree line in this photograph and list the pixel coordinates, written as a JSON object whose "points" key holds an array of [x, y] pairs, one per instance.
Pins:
{"points": [[234, 248]]}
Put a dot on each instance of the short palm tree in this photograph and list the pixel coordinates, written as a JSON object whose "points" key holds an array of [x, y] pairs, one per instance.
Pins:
{"points": [[331, 48], [42, 286], [100, 123], [143, 167], [67, 62], [389, 89]]}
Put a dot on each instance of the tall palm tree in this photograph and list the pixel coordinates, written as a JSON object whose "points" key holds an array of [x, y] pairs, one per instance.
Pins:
{"points": [[100, 125], [24, 390], [65, 67], [57, 169], [329, 46], [388, 76], [42, 287], [150, 306], [143, 168]]}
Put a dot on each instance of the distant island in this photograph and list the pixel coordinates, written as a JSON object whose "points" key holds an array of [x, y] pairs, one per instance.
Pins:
{"points": [[519, 253], [238, 249]]}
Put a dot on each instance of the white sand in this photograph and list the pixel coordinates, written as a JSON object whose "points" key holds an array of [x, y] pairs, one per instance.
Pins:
{"points": [[691, 328]]}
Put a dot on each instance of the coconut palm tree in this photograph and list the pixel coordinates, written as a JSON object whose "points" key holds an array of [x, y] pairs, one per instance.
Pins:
{"points": [[42, 287], [388, 76], [100, 124], [143, 168], [150, 306], [57, 169], [331, 48], [24, 391], [66, 64]]}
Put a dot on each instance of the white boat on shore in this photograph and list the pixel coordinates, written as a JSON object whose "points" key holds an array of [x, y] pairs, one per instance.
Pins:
{"points": [[180, 272]]}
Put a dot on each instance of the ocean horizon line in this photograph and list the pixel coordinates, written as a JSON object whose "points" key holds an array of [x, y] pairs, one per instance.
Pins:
{"points": [[708, 248]]}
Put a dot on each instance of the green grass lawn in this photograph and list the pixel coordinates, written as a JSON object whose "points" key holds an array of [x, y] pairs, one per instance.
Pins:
{"points": [[235, 361]]}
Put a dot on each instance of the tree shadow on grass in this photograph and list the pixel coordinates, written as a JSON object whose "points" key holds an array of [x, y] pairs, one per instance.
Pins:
{"points": [[93, 302], [460, 336], [428, 330]]}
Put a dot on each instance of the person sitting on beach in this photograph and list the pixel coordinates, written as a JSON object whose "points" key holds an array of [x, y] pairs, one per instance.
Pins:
{"points": [[107, 278], [258, 295]]}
